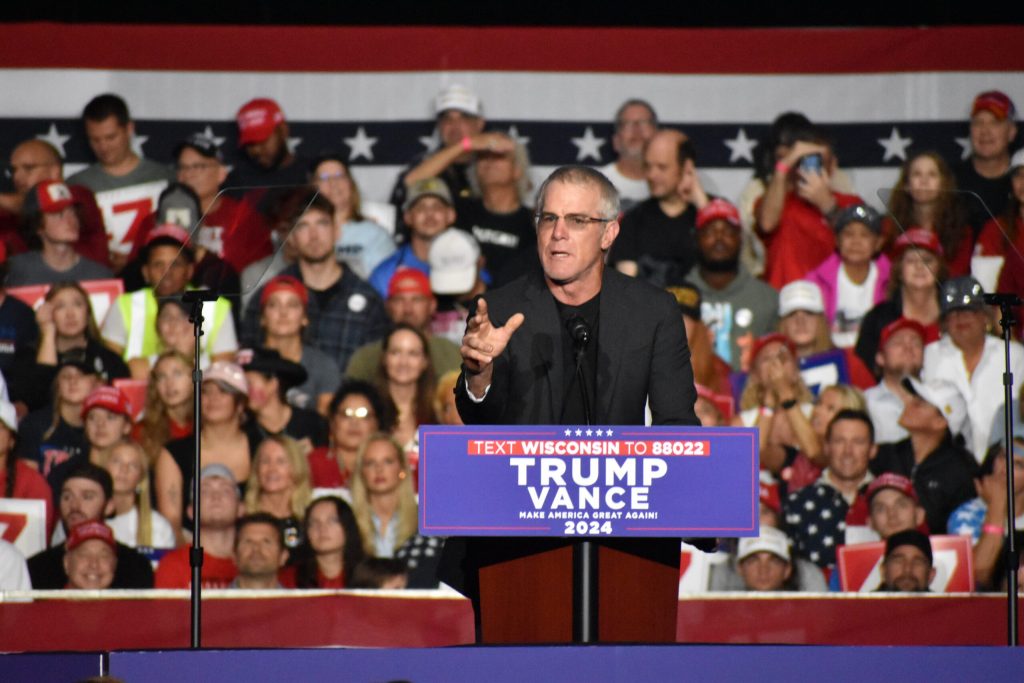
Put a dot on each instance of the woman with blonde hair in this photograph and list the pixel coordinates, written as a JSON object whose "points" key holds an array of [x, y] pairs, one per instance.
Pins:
{"points": [[279, 484], [135, 523], [382, 496]]}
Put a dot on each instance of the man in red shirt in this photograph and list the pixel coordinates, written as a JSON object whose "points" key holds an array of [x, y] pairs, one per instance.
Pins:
{"points": [[220, 506], [794, 215]]}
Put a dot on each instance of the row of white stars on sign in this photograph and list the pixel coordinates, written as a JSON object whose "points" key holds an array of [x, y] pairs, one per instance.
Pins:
{"points": [[588, 432], [588, 146]]}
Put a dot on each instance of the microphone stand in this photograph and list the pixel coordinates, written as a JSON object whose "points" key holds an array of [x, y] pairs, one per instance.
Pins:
{"points": [[584, 556], [196, 297], [1006, 303]]}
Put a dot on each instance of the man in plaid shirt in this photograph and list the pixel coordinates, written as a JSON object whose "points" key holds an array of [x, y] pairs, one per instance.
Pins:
{"points": [[344, 311]]}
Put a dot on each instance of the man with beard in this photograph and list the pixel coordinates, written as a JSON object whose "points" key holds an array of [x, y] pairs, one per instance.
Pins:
{"points": [[907, 565], [635, 124], [344, 311], [737, 307]]}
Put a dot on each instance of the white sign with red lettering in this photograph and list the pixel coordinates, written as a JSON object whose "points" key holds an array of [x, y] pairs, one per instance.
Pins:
{"points": [[124, 210], [23, 524], [860, 566], [101, 295]]}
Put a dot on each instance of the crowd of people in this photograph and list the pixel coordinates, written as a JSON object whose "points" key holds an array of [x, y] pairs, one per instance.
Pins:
{"points": [[857, 342]]}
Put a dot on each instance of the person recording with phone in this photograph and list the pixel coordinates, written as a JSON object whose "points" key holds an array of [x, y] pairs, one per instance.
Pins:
{"points": [[794, 214]]}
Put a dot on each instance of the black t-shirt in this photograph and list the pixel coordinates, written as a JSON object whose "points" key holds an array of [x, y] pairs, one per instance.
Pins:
{"points": [[64, 443], [664, 248], [508, 241], [19, 335], [572, 407], [47, 569], [303, 424], [994, 192], [264, 188]]}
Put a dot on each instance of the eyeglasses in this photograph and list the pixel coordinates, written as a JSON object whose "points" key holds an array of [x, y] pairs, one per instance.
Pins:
{"points": [[575, 221], [360, 413], [189, 168]]}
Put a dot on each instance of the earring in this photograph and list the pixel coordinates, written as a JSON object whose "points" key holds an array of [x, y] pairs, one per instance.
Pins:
{"points": [[401, 475]]}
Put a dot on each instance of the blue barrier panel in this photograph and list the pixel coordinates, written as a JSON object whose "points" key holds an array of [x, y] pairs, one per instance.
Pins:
{"points": [[588, 481], [539, 664], [49, 668]]}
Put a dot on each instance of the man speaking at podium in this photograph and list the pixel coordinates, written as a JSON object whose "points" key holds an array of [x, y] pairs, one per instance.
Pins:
{"points": [[576, 340]]}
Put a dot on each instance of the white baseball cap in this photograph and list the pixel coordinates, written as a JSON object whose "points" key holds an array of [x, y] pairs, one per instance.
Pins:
{"points": [[771, 540], [800, 295], [453, 258], [459, 98]]}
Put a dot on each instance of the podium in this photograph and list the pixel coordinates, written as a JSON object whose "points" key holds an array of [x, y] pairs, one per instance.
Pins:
{"points": [[521, 505]]}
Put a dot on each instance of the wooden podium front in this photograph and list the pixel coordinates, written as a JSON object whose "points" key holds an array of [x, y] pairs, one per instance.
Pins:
{"points": [[528, 597]]}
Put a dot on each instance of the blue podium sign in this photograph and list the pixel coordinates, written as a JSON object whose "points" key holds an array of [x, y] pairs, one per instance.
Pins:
{"points": [[588, 481]]}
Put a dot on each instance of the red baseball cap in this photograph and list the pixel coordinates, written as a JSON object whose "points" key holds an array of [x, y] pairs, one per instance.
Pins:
{"points": [[996, 102], [715, 209], [767, 339], [284, 283], [257, 119], [769, 496], [111, 398], [48, 196], [891, 480], [86, 531], [919, 238], [171, 231], [902, 324], [409, 281]]}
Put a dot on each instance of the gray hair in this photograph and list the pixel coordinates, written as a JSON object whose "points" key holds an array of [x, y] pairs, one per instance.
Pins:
{"points": [[584, 175]]}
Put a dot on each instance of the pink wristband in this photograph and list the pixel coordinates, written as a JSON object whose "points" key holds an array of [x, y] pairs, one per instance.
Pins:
{"points": [[993, 529], [781, 168], [467, 144]]}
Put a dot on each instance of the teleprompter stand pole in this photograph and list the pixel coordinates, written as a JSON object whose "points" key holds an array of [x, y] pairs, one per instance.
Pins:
{"points": [[196, 298], [1006, 303]]}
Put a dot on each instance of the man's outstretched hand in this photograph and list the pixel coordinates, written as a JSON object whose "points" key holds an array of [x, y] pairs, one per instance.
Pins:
{"points": [[482, 343]]}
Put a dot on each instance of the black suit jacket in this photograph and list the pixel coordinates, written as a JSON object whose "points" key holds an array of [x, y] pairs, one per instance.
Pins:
{"points": [[642, 354]]}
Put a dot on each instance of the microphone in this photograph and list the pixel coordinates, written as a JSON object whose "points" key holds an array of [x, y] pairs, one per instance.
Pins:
{"points": [[579, 330], [1002, 299]]}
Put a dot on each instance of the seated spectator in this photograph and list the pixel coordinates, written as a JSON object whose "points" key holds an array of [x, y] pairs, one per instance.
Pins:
{"points": [[854, 278], [635, 124], [907, 565], [168, 263], [985, 173], [259, 551], [1003, 236], [90, 558], [14, 574], [335, 547], [709, 369], [802, 320], [893, 505], [383, 573], [17, 478], [135, 523], [224, 441], [925, 197], [19, 339], [428, 212], [52, 230], [456, 278], [87, 496], [737, 307], [221, 507], [972, 359], [283, 303], [900, 354], [382, 496], [170, 404], [357, 411], [120, 178], [777, 402], [279, 484], [406, 375], [984, 518], [918, 268], [411, 302], [54, 434], [792, 217], [270, 377], [765, 562], [66, 322], [363, 244], [499, 218], [107, 414], [32, 162], [817, 516], [444, 399], [932, 457]]}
